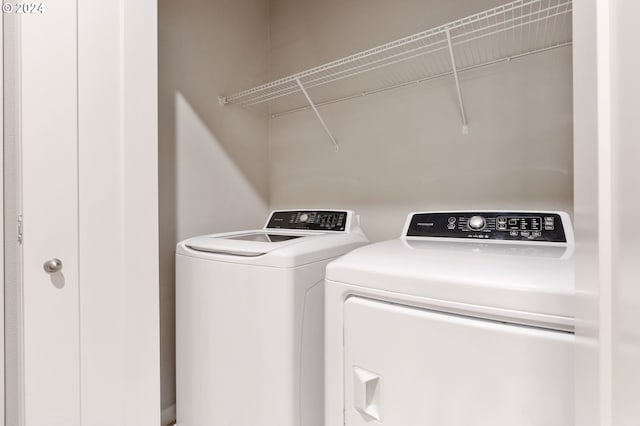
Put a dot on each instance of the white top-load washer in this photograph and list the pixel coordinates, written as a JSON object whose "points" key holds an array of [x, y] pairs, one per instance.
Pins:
{"points": [[467, 319], [249, 320]]}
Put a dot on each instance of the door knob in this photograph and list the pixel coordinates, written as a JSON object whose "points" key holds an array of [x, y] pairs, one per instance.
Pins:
{"points": [[52, 266]]}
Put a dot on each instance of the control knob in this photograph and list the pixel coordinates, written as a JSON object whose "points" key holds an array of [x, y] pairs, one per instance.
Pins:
{"points": [[304, 217], [476, 223]]}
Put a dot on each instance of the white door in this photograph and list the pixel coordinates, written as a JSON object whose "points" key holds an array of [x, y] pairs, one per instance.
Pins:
{"points": [[86, 150], [49, 145], [411, 367]]}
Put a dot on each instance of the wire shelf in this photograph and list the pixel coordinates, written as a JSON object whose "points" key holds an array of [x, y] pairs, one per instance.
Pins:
{"points": [[509, 31]]}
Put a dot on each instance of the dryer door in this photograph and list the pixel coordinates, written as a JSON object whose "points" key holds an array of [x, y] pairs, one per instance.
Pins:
{"points": [[406, 366]]}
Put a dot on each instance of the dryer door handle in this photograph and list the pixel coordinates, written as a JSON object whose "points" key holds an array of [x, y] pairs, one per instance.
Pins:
{"points": [[366, 393]]}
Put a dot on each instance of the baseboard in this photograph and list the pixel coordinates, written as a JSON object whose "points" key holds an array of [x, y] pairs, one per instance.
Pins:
{"points": [[168, 416]]}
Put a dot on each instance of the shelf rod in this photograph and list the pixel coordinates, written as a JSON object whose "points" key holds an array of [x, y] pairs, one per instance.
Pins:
{"points": [[313, 106], [465, 127], [418, 81]]}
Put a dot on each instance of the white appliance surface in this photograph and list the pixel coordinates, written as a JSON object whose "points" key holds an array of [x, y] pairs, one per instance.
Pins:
{"points": [[451, 325], [529, 285], [250, 320]]}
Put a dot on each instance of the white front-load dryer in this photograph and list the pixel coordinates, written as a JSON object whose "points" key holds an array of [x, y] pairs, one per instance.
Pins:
{"points": [[467, 319], [249, 320]]}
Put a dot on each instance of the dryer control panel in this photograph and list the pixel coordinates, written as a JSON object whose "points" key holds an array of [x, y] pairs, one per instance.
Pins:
{"points": [[312, 220], [508, 226]]}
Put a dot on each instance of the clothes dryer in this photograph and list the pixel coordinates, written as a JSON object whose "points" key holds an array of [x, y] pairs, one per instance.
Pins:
{"points": [[250, 319], [467, 319]]}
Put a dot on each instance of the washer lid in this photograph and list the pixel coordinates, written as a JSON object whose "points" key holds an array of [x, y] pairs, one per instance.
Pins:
{"points": [[289, 239], [245, 243], [521, 281], [286, 250]]}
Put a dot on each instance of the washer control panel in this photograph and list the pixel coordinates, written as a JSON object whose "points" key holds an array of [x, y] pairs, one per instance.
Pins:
{"points": [[509, 226], [312, 220]]}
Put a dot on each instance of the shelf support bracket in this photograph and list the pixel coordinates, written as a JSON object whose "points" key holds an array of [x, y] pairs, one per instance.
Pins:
{"points": [[313, 106], [465, 126]]}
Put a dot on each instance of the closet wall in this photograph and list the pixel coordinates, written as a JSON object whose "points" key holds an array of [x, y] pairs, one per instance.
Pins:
{"points": [[223, 167], [212, 159], [404, 150]]}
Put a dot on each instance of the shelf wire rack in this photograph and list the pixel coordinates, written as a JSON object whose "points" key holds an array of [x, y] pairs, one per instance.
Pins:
{"points": [[512, 30]]}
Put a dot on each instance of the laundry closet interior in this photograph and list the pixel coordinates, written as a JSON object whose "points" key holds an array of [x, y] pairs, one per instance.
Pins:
{"points": [[395, 126]]}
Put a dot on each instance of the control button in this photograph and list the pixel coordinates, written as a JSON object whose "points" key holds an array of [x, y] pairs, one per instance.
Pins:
{"points": [[548, 228], [513, 222], [452, 219], [476, 223], [525, 234], [304, 217], [513, 233], [502, 220], [536, 234], [502, 226]]}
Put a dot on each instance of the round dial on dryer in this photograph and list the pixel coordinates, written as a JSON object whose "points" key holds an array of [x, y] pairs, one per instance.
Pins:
{"points": [[304, 217], [476, 223]]}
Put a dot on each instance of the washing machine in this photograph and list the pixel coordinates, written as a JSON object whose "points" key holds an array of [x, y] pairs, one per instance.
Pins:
{"points": [[250, 320], [466, 319]]}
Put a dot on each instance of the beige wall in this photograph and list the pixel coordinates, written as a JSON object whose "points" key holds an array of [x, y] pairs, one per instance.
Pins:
{"points": [[403, 150], [212, 159]]}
